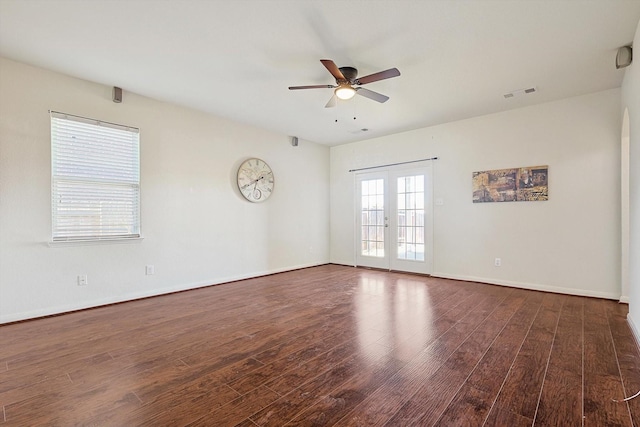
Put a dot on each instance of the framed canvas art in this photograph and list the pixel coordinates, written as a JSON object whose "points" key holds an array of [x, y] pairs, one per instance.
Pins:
{"points": [[529, 183]]}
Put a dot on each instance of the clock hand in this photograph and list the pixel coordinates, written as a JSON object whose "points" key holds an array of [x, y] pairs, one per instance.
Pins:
{"points": [[255, 181], [263, 176]]}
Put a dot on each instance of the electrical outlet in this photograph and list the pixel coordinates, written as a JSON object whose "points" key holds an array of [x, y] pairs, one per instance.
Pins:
{"points": [[82, 280], [150, 270], [497, 262]]}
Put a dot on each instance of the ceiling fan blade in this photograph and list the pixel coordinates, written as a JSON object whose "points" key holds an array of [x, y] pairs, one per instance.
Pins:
{"points": [[333, 69], [332, 102], [371, 94], [387, 74], [312, 87]]}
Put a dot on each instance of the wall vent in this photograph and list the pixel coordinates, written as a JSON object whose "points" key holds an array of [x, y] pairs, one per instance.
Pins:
{"points": [[360, 130], [519, 92]]}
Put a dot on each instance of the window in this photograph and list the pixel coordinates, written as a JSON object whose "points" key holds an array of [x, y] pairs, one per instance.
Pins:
{"points": [[95, 179]]}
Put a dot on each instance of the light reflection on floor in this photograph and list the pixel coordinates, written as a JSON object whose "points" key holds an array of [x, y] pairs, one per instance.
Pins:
{"points": [[395, 314]]}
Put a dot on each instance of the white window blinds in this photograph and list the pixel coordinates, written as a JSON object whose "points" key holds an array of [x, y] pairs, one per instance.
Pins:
{"points": [[95, 169]]}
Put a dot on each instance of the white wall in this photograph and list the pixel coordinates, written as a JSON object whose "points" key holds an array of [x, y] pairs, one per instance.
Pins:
{"points": [[570, 243], [197, 229], [631, 101]]}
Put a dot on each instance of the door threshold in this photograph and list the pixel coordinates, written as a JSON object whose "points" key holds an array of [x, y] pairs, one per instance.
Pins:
{"points": [[386, 270]]}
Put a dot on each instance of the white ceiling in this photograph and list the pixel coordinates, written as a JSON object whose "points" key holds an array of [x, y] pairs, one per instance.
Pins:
{"points": [[236, 59]]}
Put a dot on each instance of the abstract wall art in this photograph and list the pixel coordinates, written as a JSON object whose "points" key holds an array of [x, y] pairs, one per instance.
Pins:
{"points": [[529, 183]]}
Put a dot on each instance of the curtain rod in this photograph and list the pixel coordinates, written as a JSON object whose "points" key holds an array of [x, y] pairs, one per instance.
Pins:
{"points": [[393, 164]]}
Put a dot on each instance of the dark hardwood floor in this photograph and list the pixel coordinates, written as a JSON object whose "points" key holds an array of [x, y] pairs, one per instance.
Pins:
{"points": [[329, 345]]}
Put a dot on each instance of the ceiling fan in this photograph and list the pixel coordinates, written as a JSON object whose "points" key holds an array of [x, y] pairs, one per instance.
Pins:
{"points": [[346, 79]]}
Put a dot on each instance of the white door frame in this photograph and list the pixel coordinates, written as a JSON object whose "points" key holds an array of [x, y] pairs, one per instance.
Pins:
{"points": [[381, 229], [390, 261]]}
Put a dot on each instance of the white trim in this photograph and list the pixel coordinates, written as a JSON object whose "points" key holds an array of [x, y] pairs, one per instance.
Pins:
{"points": [[67, 116], [624, 209], [139, 295], [623, 300], [531, 286], [634, 330], [67, 243], [356, 232]]}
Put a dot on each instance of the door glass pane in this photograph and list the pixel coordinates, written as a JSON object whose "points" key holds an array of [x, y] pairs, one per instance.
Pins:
{"points": [[401, 184], [410, 218], [401, 201], [411, 184], [372, 237], [411, 200]]}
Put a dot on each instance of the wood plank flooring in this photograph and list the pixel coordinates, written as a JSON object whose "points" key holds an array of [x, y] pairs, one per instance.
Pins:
{"points": [[326, 346]]}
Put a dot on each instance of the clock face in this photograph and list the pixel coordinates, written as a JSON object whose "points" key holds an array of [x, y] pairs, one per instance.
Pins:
{"points": [[255, 180]]}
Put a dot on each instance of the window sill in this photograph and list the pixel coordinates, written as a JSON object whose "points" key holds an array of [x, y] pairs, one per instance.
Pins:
{"points": [[91, 242]]}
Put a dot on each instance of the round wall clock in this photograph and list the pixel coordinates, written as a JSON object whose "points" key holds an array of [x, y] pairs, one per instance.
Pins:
{"points": [[255, 180]]}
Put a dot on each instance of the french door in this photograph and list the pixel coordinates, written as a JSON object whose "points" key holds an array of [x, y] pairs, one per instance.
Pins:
{"points": [[394, 224]]}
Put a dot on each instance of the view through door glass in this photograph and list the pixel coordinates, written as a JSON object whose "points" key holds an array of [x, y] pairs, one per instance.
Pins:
{"points": [[393, 219], [372, 218], [410, 218]]}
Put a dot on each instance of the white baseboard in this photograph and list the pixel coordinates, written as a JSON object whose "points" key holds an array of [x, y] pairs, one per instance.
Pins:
{"points": [[531, 286], [624, 299], [49, 311], [195, 285]]}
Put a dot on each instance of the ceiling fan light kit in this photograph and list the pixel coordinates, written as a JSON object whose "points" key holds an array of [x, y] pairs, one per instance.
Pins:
{"points": [[345, 92], [346, 79]]}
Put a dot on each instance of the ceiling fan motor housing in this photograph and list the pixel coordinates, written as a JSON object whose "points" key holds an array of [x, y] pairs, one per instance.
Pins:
{"points": [[349, 74]]}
